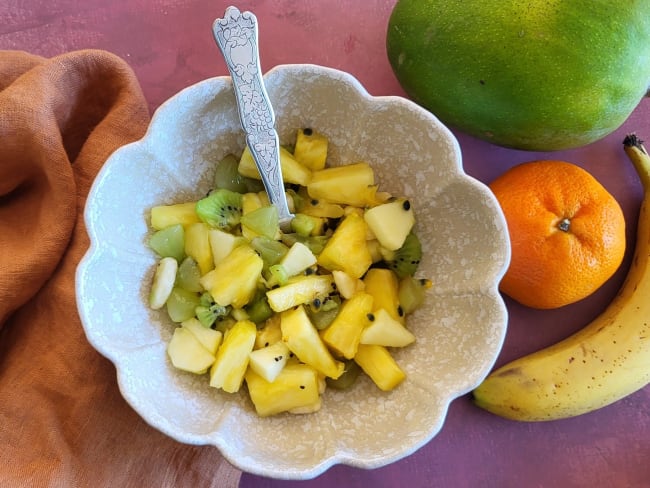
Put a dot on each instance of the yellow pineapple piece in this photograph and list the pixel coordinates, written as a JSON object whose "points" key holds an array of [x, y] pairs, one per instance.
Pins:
{"points": [[384, 330], [232, 358], [299, 290], [311, 149], [296, 386], [234, 280], [197, 245], [383, 285], [350, 184], [187, 353], [292, 170], [180, 213], [249, 202], [270, 333], [303, 340], [347, 250], [378, 363], [344, 333]]}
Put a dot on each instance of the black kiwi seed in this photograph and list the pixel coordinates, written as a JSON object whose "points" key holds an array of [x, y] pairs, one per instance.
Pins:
{"points": [[400, 311], [371, 317], [314, 202], [307, 131], [317, 302], [406, 205]]}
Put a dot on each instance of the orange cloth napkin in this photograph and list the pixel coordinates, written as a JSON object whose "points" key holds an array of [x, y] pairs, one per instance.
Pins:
{"points": [[62, 419]]}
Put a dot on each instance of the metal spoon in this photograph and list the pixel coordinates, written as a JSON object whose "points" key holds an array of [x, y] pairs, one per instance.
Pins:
{"points": [[236, 36]]}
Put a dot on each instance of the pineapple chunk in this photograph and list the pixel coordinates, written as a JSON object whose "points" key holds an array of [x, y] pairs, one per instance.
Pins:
{"points": [[197, 245], [384, 330], [346, 284], [221, 244], [296, 386], [319, 208], [377, 363], [269, 361], [180, 213], [270, 333], [299, 290], [391, 222], [209, 338], [232, 359], [303, 340], [186, 352], [347, 250], [311, 149], [344, 333], [234, 280], [351, 184], [297, 259], [383, 285], [250, 202], [292, 170]]}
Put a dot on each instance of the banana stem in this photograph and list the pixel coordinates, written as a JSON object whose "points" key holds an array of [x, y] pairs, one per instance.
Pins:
{"points": [[634, 149]]}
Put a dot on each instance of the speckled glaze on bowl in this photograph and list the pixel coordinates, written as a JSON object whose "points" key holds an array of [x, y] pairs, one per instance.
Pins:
{"points": [[459, 331]]}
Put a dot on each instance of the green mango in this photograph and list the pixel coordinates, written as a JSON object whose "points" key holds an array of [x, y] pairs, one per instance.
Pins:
{"points": [[537, 75]]}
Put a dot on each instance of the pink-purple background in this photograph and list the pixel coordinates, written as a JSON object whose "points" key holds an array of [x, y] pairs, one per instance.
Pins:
{"points": [[169, 45]]}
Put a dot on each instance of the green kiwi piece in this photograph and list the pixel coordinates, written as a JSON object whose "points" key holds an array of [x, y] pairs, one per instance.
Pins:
{"points": [[347, 379], [181, 304], [264, 221], [302, 224], [322, 312], [188, 275], [169, 242], [316, 244], [407, 258], [411, 293], [258, 308], [226, 175], [270, 250], [221, 209], [208, 312], [223, 324]]}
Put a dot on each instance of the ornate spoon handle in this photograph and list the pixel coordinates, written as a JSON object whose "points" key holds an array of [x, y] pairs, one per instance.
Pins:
{"points": [[236, 36]]}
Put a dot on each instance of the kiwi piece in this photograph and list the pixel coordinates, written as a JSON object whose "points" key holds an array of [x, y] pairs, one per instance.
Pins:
{"points": [[316, 244], [221, 209], [208, 311], [350, 374], [181, 304], [270, 250], [322, 312], [226, 175], [412, 292], [264, 221], [188, 275], [406, 259], [169, 242], [258, 308]]}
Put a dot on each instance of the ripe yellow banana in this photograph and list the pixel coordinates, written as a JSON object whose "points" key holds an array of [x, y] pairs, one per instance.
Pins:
{"points": [[605, 361]]}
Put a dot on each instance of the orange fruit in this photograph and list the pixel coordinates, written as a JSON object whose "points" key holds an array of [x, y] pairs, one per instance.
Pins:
{"points": [[567, 233]]}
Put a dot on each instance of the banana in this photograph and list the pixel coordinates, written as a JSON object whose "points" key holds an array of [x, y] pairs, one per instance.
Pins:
{"points": [[603, 362]]}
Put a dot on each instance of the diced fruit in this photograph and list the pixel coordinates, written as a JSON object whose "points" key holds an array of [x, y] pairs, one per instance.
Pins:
{"points": [[208, 312], [234, 280], [186, 352], [270, 250], [221, 244], [292, 170], [188, 275], [317, 208], [197, 245], [221, 209], [226, 175], [270, 333], [296, 386], [303, 340], [269, 361], [231, 362], [375, 250], [316, 244], [181, 304], [311, 149], [412, 292], [347, 379], [163, 282], [163, 216], [346, 284], [299, 290], [346, 250], [405, 261], [324, 313], [258, 308], [250, 202], [169, 242], [391, 222], [383, 285], [298, 259], [377, 363], [351, 184], [384, 330], [262, 221], [209, 338], [344, 333], [308, 225]]}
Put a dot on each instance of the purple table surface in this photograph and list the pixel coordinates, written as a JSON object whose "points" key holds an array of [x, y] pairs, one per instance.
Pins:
{"points": [[169, 45]]}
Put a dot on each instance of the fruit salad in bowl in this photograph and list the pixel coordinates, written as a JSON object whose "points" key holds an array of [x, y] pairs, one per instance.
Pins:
{"points": [[339, 340]]}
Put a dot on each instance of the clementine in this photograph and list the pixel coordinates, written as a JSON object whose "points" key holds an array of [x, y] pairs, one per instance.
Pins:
{"points": [[567, 233]]}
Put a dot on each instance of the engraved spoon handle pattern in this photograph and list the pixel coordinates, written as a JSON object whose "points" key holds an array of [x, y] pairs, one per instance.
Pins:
{"points": [[236, 36]]}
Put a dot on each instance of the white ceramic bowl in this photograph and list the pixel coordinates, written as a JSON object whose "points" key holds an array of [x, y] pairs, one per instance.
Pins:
{"points": [[459, 331]]}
